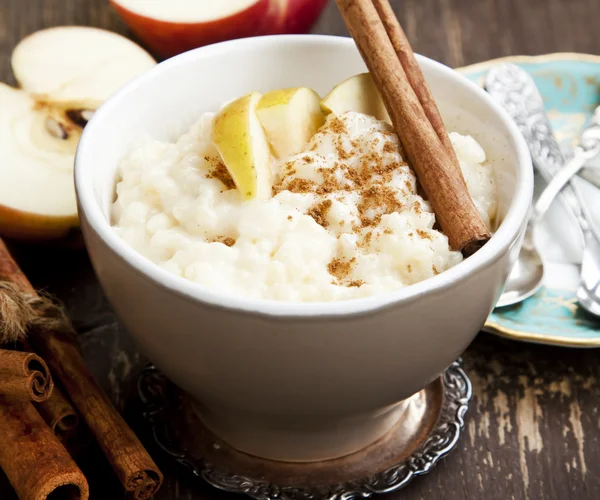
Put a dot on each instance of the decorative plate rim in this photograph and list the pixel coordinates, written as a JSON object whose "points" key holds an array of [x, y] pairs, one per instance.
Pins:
{"points": [[492, 326], [551, 57], [538, 338], [458, 390]]}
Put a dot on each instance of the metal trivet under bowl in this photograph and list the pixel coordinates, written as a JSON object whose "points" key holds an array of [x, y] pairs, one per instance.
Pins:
{"points": [[434, 426]]}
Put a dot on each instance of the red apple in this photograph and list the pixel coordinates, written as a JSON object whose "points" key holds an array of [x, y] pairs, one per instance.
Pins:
{"points": [[169, 28]]}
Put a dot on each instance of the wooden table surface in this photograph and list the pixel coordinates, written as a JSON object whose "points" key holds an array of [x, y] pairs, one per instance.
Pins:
{"points": [[533, 428]]}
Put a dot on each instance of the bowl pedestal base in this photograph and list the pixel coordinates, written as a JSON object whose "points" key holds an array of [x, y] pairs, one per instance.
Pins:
{"points": [[422, 430], [304, 439]]}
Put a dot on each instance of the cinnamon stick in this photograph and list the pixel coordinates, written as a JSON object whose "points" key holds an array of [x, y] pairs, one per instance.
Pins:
{"points": [[415, 76], [441, 181], [58, 346], [36, 464], [24, 375], [58, 412]]}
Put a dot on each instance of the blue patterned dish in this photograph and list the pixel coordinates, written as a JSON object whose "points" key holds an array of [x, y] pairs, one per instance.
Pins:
{"points": [[570, 86]]}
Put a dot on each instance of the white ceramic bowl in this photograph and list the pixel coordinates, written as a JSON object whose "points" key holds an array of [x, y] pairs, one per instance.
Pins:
{"points": [[293, 381]]}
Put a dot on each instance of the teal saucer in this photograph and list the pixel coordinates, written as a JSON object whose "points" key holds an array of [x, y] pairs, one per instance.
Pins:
{"points": [[570, 86]]}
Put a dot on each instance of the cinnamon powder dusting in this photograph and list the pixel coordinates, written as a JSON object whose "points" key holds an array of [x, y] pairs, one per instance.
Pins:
{"points": [[341, 268], [424, 234], [367, 171], [219, 171], [226, 240], [356, 283], [319, 212], [296, 185]]}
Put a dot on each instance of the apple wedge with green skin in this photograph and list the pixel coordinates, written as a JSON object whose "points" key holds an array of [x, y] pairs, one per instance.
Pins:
{"points": [[358, 93], [290, 118], [240, 139], [65, 74]]}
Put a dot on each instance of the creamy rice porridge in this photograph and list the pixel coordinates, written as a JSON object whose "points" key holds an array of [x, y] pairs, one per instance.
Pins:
{"points": [[345, 219]]}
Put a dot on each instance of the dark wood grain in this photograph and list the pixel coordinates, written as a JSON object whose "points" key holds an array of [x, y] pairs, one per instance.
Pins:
{"points": [[533, 429]]}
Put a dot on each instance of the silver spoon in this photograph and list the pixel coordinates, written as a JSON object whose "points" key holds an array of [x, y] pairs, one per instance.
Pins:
{"points": [[527, 275], [515, 90]]}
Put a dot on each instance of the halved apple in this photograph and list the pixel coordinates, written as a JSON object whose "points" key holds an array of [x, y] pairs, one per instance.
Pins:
{"points": [[240, 139], [290, 118], [74, 63], [66, 73], [175, 26], [358, 93], [37, 198]]}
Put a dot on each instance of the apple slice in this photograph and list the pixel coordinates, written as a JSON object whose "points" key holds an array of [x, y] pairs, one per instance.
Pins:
{"points": [[358, 93], [37, 143], [240, 139], [77, 64], [290, 118]]}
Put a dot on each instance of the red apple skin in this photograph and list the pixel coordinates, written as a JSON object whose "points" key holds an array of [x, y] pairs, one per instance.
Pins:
{"points": [[167, 39], [298, 16]]}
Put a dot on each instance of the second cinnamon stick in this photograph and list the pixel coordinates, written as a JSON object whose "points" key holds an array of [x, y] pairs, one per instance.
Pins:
{"points": [[59, 414], [57, 345], [415, 76], [24, 375], [35, 462], [441, 181]]}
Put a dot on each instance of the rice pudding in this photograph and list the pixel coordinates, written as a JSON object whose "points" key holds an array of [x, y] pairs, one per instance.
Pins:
{"points": [[345, 219]]}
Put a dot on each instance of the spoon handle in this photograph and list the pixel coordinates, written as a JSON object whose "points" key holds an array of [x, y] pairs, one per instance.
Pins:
{"points": [[517, 93]]}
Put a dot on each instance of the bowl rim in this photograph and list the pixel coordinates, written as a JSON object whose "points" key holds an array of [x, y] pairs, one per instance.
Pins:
{"points": [[491, 252]]}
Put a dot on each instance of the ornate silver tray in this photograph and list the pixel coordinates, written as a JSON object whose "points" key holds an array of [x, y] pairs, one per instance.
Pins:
{"points": [[396, 459]]}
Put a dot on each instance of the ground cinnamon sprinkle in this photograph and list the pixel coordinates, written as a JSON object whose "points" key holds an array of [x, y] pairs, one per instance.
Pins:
{"points": [[364, 171], [434, 269], [379, 198], [226, 240], [319, 212], [424, 234], [416, 206], [388, 147], [289, 168], [219, 171], [356, 283], [296, 185], [341, 151], [337, 126], [340, 268]]}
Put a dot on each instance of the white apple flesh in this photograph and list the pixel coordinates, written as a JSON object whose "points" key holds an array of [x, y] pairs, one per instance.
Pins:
{"points": [[73, 63], [357, 93], [37, 199], [290, 118], [65, 74]]}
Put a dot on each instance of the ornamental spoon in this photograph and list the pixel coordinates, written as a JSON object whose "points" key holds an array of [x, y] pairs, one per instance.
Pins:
{"points": [[515, 90]]}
